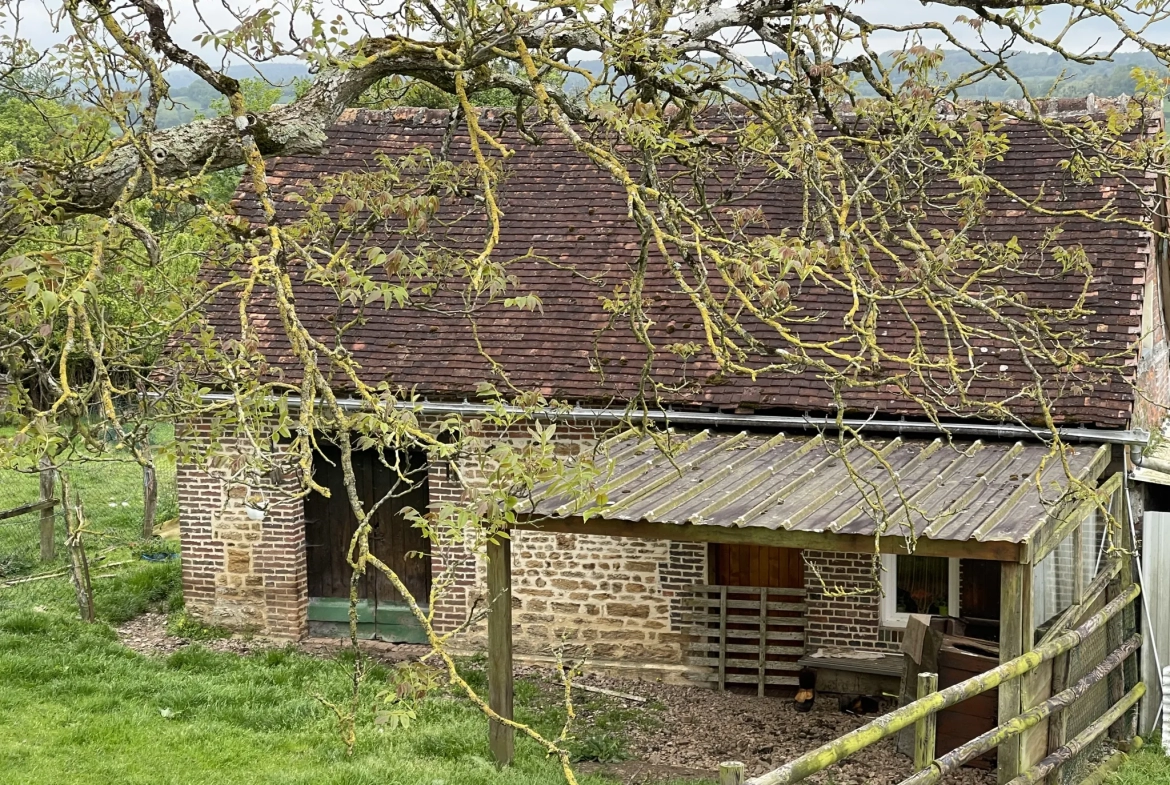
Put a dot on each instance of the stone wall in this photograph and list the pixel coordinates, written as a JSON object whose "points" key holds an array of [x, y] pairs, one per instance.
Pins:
{"points": [[620, 599]]}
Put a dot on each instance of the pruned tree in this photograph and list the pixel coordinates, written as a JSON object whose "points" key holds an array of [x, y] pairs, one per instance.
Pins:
{"points": [[113, 247]]}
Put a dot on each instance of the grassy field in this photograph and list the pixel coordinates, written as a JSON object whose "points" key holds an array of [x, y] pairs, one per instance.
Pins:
{"points": [[111, 494], [78, 707], [1148, 766]]}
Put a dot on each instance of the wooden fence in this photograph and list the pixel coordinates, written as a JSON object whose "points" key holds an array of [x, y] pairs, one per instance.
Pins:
{"points": [[1045, 712], [745, 634]]}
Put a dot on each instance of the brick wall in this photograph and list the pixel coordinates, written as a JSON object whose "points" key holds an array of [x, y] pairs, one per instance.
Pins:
{"points": [[1152, 377], [844, 606], [239, 573]]}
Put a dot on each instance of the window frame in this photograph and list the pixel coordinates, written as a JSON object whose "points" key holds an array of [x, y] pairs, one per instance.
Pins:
{"points": [[890, 616]]}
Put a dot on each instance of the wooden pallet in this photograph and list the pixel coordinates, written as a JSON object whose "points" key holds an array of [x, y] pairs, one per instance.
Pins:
{"points": [[745, 634]]}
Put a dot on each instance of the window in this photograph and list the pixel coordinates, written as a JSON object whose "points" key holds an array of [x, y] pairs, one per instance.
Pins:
{"points": [[918, 584]]}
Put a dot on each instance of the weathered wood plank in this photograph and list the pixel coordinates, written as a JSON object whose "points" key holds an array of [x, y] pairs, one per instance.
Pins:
{"points": [[728, 661], [773, 635], [996, 550], [926, 729], [751, 605], [723, 638], [25, 509], [762, 645], [697, 625], [746, 648], [500, 685], [750, 678], [700, 588], [1011, 646]]}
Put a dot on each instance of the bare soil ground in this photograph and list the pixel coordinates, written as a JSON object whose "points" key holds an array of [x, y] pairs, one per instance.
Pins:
{"points": [[692, 729]]}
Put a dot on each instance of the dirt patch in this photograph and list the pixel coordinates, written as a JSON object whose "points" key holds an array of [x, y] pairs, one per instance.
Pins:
{"points": [[148, 634], [697, 729]]}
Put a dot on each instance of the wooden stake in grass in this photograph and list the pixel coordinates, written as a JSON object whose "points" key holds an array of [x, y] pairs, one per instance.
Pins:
{"points": [[48, 535], [78, 566]]}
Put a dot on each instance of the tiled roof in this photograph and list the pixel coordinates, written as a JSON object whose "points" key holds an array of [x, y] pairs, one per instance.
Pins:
{"points": [[958, 491], [559, 206]]}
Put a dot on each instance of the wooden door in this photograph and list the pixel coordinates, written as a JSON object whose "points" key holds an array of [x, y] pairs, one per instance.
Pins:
{"points": [[756, 565], [330, 525]]}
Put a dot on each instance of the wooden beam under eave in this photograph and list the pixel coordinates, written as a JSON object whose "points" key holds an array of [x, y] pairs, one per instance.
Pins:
{"points": [[502, 737], [991, 550]]}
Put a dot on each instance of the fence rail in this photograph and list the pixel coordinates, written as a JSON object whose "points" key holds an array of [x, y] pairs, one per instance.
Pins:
{"points": [[745, 634]]}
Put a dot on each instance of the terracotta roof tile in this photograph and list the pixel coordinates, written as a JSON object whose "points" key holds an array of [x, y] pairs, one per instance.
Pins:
{"points": [[560, 206]]}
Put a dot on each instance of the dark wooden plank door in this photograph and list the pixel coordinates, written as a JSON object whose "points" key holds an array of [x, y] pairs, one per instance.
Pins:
{"points": [[756, 565], [330, 525]]}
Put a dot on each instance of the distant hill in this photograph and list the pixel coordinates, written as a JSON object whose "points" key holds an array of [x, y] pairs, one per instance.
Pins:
{"points": [[1042, 73]]}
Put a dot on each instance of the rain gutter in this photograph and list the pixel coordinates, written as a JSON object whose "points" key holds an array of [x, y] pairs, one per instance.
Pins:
{"points": [[1134, 437]]}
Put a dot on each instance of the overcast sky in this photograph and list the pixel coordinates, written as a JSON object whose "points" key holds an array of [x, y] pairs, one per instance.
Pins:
{"points": [[37, 22]]}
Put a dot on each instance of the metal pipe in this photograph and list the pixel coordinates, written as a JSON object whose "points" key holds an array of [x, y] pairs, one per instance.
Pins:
{"points": [[1137, 436]]}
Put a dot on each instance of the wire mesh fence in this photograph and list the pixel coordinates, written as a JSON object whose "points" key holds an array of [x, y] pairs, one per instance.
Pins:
{"points": [[35, 565]]}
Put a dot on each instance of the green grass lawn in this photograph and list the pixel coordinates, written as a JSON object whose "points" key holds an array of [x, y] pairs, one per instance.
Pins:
{"points": [[111, 494], [1148, 766], [78, 707]]}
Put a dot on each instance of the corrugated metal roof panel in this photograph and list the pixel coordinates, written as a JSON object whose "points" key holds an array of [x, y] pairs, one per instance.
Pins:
{"points": [[957, 490]]}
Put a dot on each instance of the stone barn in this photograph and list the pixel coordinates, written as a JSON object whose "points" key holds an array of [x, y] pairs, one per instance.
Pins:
{"points": [[756, 529]]}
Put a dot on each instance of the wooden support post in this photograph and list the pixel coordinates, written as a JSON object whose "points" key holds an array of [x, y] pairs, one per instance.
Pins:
{"points": [[149, 500], [925, 730], [1121, 625], [731, 773], [1013, 586], [722, 638], [763, 641], [48, 534], [500, 688]]}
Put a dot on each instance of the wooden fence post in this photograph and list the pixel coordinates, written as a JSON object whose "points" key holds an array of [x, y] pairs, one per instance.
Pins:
{"points": [[926, 728], [1058, 724], [1015, 601], [78, 564], [731, 773], [149, 499], [48, 533], [500, 686]]}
